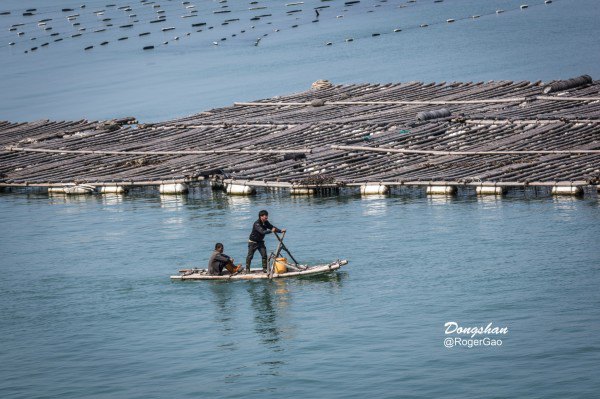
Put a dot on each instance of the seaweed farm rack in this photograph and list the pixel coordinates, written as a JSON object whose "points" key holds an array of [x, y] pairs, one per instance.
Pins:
{"points": [[493, 135]]}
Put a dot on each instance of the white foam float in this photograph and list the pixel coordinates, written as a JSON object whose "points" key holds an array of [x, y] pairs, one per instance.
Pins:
{"points": [[374, 189], [173, 188], [490, 190], [239, 189], [112, 189], [441, 190], [567, 190]]}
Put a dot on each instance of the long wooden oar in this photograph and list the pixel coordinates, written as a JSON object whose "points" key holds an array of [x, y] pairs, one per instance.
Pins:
{"points": [[280, 245], [283, 247], [275, 256]]}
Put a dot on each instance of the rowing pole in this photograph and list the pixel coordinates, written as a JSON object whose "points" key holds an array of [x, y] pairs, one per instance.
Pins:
{"points": [[282, 245]]}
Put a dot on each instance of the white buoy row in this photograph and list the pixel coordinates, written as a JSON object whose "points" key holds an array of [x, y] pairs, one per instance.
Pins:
{"points": [[449, 20], [161, 17], [244, 189], [83, 189], [379, 189]]}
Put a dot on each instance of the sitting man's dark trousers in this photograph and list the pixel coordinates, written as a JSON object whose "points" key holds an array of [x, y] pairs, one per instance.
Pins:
{"points": [[217, 262], [257, 242]]}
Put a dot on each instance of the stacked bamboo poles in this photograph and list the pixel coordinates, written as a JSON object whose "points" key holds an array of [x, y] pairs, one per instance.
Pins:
{"points": [[498, 133]]}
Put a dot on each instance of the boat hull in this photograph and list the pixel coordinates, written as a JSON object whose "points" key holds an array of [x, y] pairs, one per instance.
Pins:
{"points": [[200, 274]]}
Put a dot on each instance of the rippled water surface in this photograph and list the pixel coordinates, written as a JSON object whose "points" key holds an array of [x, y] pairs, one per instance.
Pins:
{"points": [[87, 308]]}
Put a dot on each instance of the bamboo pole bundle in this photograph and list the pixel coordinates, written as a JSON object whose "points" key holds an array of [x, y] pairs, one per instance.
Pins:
{"points": [[433, 152], [419, 102], [195, 152]]}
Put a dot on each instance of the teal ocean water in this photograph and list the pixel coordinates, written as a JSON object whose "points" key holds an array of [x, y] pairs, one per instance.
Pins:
{"points": [[87, 308]]}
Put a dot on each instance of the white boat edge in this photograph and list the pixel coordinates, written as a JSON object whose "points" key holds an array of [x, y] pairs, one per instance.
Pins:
{"points": [[319, 269]]}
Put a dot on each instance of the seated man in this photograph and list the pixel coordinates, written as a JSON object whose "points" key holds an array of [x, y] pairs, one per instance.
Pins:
{"points": [[218, 261]]}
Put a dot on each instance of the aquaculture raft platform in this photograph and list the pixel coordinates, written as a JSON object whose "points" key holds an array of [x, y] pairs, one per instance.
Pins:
{"points": [[494, 133]]}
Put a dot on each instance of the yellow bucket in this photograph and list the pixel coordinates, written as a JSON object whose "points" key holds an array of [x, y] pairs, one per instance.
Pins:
{"points": [[280, 266]]}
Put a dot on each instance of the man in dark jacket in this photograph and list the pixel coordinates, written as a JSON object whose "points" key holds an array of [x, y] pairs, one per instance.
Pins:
{"points": [[257, 239], [218, 261]]}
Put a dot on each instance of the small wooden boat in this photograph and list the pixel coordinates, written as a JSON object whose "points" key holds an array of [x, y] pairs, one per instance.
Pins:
{"points": [[302, 270]]}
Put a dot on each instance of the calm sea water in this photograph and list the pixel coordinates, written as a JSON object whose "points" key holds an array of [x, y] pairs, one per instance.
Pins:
{"points": [[62, 81], [87, 308]]}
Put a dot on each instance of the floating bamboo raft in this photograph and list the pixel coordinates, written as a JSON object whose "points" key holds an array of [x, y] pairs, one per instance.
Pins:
{"points": [[495, 133], [202, 274]]}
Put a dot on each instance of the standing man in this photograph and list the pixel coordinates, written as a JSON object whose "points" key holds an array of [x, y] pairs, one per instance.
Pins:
{"points": [[218, 261], [257, 239]]}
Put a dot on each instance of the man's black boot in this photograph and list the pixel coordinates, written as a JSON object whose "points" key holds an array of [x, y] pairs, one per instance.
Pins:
{"points": [[264, 265]]}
